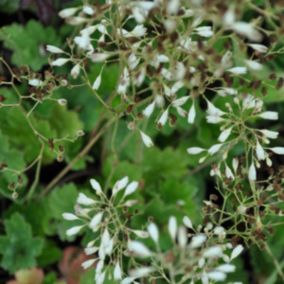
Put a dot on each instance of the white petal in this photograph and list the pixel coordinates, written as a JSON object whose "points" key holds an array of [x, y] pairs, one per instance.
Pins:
{"points": [[54, 49], [117, 273], [181, 101], [182, 236], [187, 222], [247, 30], [88, 263], [216, 275], [252, 172], [69, 216], [226, 268], [278, 150], [119, 185], [195, 150], [260, 153], [224, 135], [172, 227], [97, 82], [237, 251], [149, 109], [146, 139], [153, 232], [191, 114], [75, 71], [212, 252], [59, 62], [214, 149], [68, 12], [96, 186], [131, 188], [73, 231], [258, 47], [95, 222], [35, 82], [141, 272], [238, 70], [198, 240], [139, 249], [270, 115], [85, 200], [164, 117]]}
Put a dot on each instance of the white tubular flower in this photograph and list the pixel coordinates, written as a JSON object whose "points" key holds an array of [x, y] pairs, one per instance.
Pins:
{"points": [[194, 150], [96, 186], [224, 135], [73, 231], [35, 82], [198, 240], [95, 222], [258, 47], [182, 237], [98, 57], [69, 216], [213, 252], [88, 10], [191, 114], [229, 173], [54, 49], [97, 83], [131, 188], [172, 227], [138, 31], [205, 31], [254, 65], [68, 12], [179, 102], [153, 232], [187, 222], [238, 70], [269, 134], [119, 185], [252, 172], [236, 251], [146, 139], [85, 200], [127, 280], [88, 263], [270, 115], [117, 273], [173, 7], [214, 149], [149, 109], [59, 62], [141, 272], [75, 71], [247, 30], [235, 164], [277, 150], [164, 118], [139, 249], [216, 275], [260, 153], [141, 234], [226, 268]]}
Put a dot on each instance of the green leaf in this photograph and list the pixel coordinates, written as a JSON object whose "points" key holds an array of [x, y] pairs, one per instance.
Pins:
{"points": [[18, 247], [27, 43]]}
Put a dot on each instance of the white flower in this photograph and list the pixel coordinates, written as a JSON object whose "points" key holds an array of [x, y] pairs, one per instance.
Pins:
{"points": [[247, 30], [146, 139], [236, 251], [138, 31], [99, 57], [97, 82], [149, 109], [225, 134], [173, 7], [254, 65], [187, 222], [229, 173], [141, 272], [270, 115], [73, 231], [278, 150], [153, 232], [164, 117], [226, 268], [238, 70], [252, 172], [127, 280], [139, 249], [119, 185], [88, 10], [35, 82], [216, 275], [212, 252], [182, 237], [75, 71], [260, 153], [172, 227], [191, 114], [198, 240], [59, 62], [96, 186], [69, 216], [181, 101], [96, 220], [195, 150], [214, 149], [258, 47], [68, 12], [269, 134], [54, 49], [141, 234], [214, 111], [85, 200], [88, 263], [117, 273], [205, 31], [131, 188]]}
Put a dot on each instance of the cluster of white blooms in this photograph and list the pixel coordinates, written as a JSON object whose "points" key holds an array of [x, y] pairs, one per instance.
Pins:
{"points": [[107, 218], [236, 129], [195, 255], [160, 48]]}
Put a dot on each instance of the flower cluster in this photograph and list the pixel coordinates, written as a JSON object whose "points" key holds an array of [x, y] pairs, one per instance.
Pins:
{"points": [[193, 256]]}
